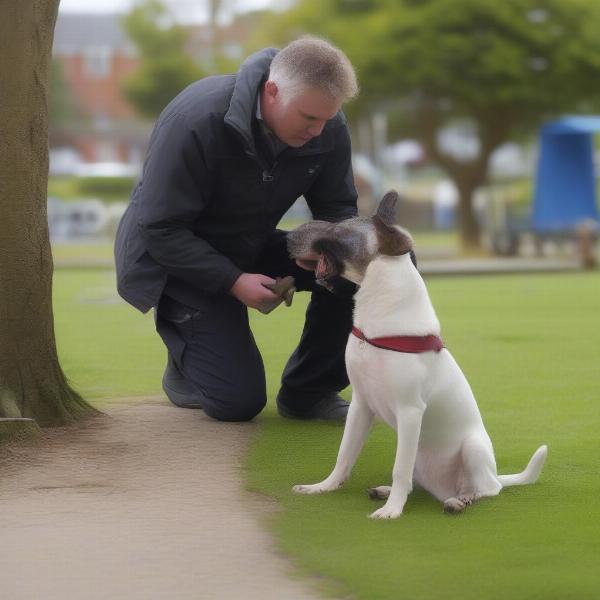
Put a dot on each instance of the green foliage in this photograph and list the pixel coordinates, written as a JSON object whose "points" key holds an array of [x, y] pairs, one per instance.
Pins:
{"points": [[106, 188], [166, 68], [532, 57], [63, 188], [503, 66]]}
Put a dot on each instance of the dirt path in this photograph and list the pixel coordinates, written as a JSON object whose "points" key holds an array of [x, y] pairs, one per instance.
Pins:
{"points": [[146, 503]]}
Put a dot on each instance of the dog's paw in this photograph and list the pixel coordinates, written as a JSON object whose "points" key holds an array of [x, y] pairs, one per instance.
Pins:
{"points": [[386, 512], [309, 489], [468, 500], [454, 506], [379, 493]]}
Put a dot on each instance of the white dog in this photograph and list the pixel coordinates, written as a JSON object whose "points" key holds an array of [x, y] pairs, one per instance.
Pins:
{"points": [[416, 387]]}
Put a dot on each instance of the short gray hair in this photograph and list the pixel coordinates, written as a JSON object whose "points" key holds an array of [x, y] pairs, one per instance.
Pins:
{"points": [[311, 62]]}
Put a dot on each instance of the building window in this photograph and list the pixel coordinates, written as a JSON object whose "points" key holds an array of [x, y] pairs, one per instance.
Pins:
{"points": [[97, 61]]}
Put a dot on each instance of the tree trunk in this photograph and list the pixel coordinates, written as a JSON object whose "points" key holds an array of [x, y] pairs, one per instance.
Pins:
{"points": [[32, 383], [468, 226], [493, 129]]}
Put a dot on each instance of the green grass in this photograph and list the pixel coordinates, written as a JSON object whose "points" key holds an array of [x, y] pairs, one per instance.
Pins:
{"points": [[528, 345], [107, 349], [81, 252]]}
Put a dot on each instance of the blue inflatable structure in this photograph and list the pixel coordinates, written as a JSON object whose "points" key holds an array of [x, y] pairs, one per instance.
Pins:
{"points": [[565, 187]]}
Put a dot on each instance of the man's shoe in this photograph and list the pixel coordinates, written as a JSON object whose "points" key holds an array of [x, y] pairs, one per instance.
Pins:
{"points": [[331, 407], [177, 389]]}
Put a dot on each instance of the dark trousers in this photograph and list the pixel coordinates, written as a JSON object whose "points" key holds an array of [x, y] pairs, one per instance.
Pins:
{"points": [[214, 348]]}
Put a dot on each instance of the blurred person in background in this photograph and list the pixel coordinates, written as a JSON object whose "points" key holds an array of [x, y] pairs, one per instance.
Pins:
{"points": [[199, 240]]}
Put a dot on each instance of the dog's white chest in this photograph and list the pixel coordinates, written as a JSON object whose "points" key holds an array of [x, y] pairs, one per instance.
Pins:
{"points": [[382, 377]]}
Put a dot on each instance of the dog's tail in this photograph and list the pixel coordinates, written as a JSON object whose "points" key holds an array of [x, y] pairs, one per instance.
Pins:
{"points": [[532, 470]]}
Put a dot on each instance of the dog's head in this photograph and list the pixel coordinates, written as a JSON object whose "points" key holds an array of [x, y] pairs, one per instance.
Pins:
{"points": [[345, 249]]}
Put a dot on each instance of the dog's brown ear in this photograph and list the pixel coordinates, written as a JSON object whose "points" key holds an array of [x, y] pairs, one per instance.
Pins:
{"points": [[386, 210], [392, 241]]}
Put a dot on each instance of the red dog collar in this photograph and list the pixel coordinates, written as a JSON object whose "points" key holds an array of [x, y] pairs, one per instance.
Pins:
{"points": [[413, 344]]}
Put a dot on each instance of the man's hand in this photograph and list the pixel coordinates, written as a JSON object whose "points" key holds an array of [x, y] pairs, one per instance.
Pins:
{"points": [[249, 290]]}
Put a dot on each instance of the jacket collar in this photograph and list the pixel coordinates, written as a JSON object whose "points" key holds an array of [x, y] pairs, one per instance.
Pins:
{"points": [[242, 108]]}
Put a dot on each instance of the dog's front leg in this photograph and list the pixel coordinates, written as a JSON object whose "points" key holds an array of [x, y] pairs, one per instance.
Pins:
{"points": [[408, 428], [358, 424]]}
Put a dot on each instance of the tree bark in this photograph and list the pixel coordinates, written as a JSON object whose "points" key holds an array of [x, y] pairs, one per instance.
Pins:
{"points": [[468, 225], [32, 383], [493, 129]]}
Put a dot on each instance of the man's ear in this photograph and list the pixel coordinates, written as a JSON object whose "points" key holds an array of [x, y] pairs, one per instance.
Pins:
{"points": [[392, 241], [386, 210], [271, 90]]}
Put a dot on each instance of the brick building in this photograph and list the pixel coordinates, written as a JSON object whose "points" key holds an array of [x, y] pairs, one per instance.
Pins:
{"points": [[95, 57]]}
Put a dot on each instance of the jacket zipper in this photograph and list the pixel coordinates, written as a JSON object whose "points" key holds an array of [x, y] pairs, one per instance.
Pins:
{"points": [[267, 175]]}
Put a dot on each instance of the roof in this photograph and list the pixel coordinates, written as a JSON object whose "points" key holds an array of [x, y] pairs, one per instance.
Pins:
{"points": [[76, 31], [573, 124]]}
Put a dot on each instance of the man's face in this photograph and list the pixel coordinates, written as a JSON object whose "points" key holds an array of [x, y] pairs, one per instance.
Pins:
{"points": [[301, 118]]}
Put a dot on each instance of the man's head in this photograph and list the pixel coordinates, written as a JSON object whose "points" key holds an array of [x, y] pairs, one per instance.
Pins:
{"points": [[308, 82]]}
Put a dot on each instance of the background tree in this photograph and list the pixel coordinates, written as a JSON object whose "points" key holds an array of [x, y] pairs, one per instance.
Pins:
{"points": [[166, 68], [32, 383], [502, 67], [214, 11]]}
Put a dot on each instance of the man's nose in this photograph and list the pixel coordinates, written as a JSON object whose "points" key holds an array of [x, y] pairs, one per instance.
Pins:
{"points": [[316, 128]]}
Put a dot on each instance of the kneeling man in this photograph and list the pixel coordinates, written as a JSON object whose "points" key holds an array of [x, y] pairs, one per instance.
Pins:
{"points": [[198, 241]]}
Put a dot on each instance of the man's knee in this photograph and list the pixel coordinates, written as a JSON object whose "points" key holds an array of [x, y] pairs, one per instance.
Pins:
{"points": [[234, 406]]}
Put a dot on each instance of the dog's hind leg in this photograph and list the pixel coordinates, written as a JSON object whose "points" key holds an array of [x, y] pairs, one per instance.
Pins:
{"points": [[479, 474], [408, 428], [358, 423]]}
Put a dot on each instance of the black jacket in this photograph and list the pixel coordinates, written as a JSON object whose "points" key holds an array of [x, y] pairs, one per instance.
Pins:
{"points": [[209, 198]]}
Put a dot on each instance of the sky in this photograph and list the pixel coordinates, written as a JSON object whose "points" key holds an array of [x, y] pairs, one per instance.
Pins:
{"points": [[185, 10]]}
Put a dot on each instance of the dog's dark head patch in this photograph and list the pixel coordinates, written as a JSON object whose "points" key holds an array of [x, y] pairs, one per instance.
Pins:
{"points": [[392, 241]]}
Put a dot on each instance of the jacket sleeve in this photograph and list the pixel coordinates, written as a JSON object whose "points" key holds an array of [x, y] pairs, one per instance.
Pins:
{"points": [[175, 187], [332, 196]]}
